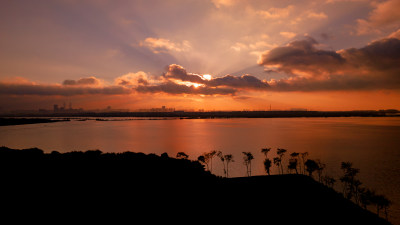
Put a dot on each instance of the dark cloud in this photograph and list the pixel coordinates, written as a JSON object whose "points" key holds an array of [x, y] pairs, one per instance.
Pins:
{"points": [[379, 55], [302, 55], [245, 81], [375, 66], [178, 81], [179, 73], [34, 89], [174, 88], [83, 81]]}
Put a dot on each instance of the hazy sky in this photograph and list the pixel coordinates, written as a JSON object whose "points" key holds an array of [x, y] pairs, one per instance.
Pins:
{"points": [[210, 54]]}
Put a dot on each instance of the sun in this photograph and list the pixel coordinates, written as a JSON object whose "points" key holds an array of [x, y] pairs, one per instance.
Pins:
{"points": [[206, 77], [196, 85]]}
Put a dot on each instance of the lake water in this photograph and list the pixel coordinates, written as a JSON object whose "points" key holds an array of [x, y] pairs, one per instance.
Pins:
{"points": [[371, 144]]}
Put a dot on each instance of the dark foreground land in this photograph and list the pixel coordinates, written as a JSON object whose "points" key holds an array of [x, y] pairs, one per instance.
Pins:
{"points": [[151, 188], [20, 121]]}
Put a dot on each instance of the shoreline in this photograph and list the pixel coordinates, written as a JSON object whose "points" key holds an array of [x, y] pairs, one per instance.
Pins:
{"points": [[214, 114]]}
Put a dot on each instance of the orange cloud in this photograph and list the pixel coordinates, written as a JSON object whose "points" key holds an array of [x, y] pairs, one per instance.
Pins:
{"points": [[384, 15], [161, 45], [83, 86], [276, 13]]}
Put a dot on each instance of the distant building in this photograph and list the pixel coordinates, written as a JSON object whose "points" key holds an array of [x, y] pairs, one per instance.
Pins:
{"points": [[162, 109]]}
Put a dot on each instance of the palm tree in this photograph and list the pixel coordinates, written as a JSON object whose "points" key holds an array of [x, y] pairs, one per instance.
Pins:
{"points": [[267, 162], [228, 158], [321, 167], [292, 165], [303, 157], [267, 165], [366, 196], [293, 162], [281, 152], [265, 151], [381, 202], [248, 157], [211, 155], [348, 179], [277, 162], [225, 159]]}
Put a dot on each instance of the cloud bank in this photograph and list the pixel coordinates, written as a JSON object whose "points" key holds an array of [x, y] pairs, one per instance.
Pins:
{"points": [[373, 67], [83, 86]]}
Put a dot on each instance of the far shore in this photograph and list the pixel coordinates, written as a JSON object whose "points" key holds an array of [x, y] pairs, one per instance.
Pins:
{"points": [[21, 121], [212, 114]]}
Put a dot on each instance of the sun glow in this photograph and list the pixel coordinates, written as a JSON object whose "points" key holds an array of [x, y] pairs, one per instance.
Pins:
{"points": [[206, 77], [190, 84]]}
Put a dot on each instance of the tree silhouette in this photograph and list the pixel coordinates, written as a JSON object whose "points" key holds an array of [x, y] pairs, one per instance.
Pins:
{"points": [[311, 166], [281, 152], [248, 157], [206, 158], [267, 165], [303, 157], [181, 155], [328, 181], [267, 161], [225, 159], [293, 162], [211, 155], [321, 167], [277, 162], [366, 196], [348, 179], [265, 151], [381, 202]]}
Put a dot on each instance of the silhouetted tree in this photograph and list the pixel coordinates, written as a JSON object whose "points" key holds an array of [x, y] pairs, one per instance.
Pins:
{"points": [[281, 152], [181, 155], [366, 196], [328, 181], [293, 162], [267, 161], [226, 159], [206, 158], [321, 167], [381, 202], [311, 166], [267, 165], [277, 162], [265, 151], [212, 154], [203, 159], [247, 158], [348, 179], [303, 158]]}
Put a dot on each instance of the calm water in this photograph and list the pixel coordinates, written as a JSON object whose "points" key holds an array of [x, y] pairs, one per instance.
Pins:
{"points": [[372, 144]]}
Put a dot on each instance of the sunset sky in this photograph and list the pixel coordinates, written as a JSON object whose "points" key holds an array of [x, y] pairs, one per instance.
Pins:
{"points": [[200, 54]]}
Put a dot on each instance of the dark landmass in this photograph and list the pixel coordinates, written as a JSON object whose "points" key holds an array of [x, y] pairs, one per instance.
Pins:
{"points": [[19, 121], [159, 188], [217, 114]]}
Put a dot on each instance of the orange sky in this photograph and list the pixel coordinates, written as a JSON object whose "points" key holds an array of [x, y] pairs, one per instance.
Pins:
{"points": [[211, 55]]}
